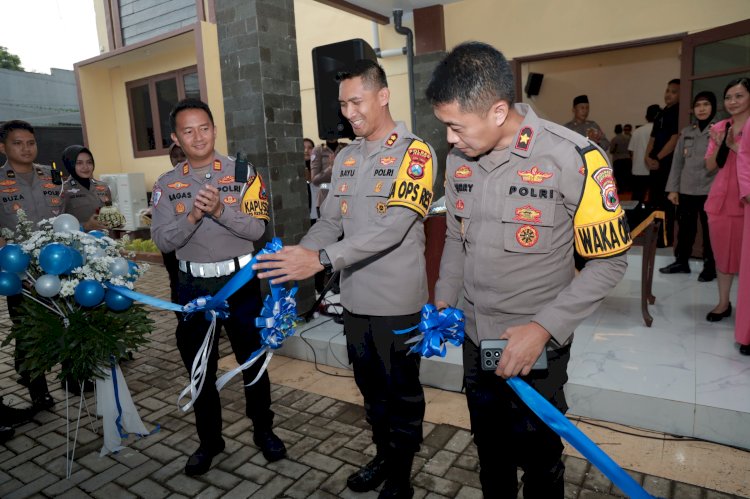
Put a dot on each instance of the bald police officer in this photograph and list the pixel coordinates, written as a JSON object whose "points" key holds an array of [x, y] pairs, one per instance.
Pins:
{"points": [[381, 190], [28, 186], [211, 217], [521, 192]]}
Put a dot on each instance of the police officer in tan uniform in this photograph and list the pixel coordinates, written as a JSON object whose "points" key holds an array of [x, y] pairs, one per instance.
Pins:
{"points": [[582, 125], [28, 186], [321, 167], [521, 192], [210, 218], [381, 190], [83, 196]]}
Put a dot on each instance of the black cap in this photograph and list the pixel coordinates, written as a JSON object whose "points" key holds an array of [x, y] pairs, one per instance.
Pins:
{"points": [[581, 99]]}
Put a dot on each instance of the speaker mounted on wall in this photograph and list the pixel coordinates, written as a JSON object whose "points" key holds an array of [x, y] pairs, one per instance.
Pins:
{"points": [[328, 60], [533, 84]]}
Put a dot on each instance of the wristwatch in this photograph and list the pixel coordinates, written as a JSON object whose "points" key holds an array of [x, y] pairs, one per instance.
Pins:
{"points": [[324, 260]]}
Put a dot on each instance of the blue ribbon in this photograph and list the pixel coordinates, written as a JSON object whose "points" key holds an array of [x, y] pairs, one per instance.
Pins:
{"points": [[583, 444], [437, 328], [118, 420]]}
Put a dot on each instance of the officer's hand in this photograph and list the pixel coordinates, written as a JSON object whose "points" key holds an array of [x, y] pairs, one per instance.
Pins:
{"points": [[93, 224], [292, 263], [440, 305], [674, 197], [208, 201], [525, 344]]}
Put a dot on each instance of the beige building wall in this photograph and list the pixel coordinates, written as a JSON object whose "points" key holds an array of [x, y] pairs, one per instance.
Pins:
{"points": [[318, 24]]}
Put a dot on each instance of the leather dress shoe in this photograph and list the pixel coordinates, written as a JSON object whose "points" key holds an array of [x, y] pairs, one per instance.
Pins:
{"points": [[42, 402], [14, 416], [200, 461], [675, 268], [396, 490], [272, 447], [707, 275], [6, 433], [369, 476], [714, 317], [745, 349]]}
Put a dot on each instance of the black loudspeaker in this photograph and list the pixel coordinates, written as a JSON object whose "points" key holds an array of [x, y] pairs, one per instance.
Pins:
{"points": [[328, 60], [533, 84]]}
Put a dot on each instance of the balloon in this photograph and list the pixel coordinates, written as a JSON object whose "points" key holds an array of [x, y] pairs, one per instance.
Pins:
{"points": [[97, 234], [119, 266], [66, 223], [76, 261], [117, 302], [89, 293], [48, 285], [10, 284], [13, 259], [98, 252], [55, 258]]}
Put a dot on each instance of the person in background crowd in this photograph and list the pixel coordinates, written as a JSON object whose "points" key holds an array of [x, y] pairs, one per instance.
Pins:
{"points": [[688, 185], [321, 166], [726, 208], [621, 162], [639, 179], [312, 192], [510, 257], [581, 124], [83, 196]]}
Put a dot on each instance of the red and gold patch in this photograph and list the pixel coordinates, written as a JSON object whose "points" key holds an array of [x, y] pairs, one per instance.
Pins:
{"points": [[7, 182], [55, 201], [230, 200], [343, 188], [528, 214], [582, 170], [527, 236], [391, 140], [101, 188], [387, 160], [217, 165], [460, 204], [344, 207], [226, 180], [179, 208], [49, 186], [9, 190], [534, 176], [178, 185], [16, 207], [379, 187], [464, 171], [418, 159], [349, 162], [381, 208], [524, 138]]}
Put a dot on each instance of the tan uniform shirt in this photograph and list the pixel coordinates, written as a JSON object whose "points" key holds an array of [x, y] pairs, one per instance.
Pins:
{"points": [[688, 174], [82, 203], [211, 239], [40, 199], [321, 163], [583, 127], [510, 235], [381, 257]]}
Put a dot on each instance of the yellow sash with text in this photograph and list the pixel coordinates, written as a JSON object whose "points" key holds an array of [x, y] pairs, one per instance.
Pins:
{"points": [[413, 186]]}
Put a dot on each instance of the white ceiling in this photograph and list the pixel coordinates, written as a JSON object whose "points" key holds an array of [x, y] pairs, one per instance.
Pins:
{"points": [[386, 7]]}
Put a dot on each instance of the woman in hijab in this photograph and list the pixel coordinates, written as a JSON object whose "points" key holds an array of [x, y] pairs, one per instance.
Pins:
{"points": [[82, 195], [688, 186]]}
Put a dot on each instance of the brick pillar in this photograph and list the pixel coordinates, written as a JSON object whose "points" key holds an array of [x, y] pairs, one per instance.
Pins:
{"points": [[262, 106]]}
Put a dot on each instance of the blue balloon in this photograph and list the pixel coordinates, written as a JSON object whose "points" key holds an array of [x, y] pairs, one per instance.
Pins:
{"points": [[76, 261], [10, 284], [97, 234], [55, 258], [89, 293], [132, 271], [117, 302], [13, 259]]}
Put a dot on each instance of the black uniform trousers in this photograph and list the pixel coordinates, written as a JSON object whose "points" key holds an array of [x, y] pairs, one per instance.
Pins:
{"points": [[244, 306], [388, 378], [658, 196], [508, 435], [689, 211], [37, 386]]}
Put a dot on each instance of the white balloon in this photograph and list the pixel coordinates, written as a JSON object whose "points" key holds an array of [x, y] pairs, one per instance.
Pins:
{"points": [[48, 285], [119, 267], [97, 253], [66, 223]]}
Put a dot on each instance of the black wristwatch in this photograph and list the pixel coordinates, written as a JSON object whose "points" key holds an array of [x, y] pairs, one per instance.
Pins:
{"points": [[324, 260]]}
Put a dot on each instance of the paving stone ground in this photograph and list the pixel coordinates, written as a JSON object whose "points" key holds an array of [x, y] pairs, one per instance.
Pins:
{"points": [[327, 440]]}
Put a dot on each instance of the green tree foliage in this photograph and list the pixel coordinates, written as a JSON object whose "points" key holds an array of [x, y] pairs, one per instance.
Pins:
{"points": [[9, 61]]}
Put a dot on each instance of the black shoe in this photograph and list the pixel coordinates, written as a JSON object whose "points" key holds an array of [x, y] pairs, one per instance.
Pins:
{"points": [[272, 447], [707, 275], [676, 268], [200, 461], [13, 416], [394, 490], [714, 317], [6, 434], [745, 349], [42, 402], [369, 476]]}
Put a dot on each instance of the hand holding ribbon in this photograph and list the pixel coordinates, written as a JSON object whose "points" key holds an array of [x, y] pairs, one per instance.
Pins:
{"points": [[437, 328]]}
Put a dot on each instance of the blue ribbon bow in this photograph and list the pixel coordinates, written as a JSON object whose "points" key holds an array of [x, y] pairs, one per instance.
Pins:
{"points": [[437, 328]]}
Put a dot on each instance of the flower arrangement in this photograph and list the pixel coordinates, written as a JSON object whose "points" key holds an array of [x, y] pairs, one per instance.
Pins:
{"points": [[68, 316], [110, 217]]}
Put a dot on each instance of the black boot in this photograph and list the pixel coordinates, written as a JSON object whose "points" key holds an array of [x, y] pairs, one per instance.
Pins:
{"points": [[272, 447], [40, 398], [398, 481], [369, 476], [14, 416]]}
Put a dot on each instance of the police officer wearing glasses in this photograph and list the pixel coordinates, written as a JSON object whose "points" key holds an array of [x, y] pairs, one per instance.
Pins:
{"points": [[210, 218]]}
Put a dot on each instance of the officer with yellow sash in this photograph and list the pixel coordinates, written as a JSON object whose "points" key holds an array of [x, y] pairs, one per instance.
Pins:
{"points": [[521, 194], [210, 217], [381, 190]]}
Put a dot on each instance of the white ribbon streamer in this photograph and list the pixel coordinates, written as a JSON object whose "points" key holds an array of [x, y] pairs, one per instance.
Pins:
{"points": [[200, 366], [224, 379]]}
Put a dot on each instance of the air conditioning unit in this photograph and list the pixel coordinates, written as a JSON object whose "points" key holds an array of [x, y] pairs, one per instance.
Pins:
{"points": [[128, 195]]}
